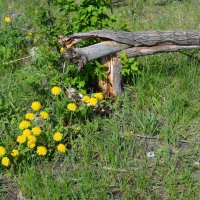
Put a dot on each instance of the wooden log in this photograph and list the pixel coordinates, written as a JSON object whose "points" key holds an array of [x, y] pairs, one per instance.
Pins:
{"points": [[110, 53], [144, 38], [134, 43], [142, 51], [80, 56]]}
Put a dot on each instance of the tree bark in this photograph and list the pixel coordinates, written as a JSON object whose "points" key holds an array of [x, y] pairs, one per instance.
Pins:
{"points": [[144, 38], [143, 51], [80, 56]]}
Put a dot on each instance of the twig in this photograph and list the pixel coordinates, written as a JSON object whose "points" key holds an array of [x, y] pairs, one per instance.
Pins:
{"points": [[146, 137], [157, 138], [19, 59], [184, 141]]}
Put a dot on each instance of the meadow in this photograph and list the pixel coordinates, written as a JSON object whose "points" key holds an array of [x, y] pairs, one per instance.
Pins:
{"points": [[145, 144]]}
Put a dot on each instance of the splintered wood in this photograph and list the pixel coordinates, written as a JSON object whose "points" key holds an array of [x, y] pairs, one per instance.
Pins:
{"points": [[112, 85], [133, 43]]}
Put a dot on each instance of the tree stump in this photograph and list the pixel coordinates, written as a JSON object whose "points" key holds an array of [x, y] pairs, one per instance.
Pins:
{"points": [[112, 85]]}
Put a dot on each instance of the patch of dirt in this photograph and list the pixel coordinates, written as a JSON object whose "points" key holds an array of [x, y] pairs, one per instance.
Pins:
{"points": [[196, 175], [115, 193], [183, 146], [11, 189]]}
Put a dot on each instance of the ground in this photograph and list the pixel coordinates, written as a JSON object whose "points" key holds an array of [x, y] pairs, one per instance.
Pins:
{"points": [[159, 112]]}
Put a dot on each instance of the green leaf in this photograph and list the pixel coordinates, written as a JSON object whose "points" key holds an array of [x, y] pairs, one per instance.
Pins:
{"points": [[131, 60], [123, 55], [134, 67]]}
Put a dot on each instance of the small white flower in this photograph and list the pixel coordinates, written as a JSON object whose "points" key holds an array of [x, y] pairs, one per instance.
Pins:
{"points": [[150, 154]]}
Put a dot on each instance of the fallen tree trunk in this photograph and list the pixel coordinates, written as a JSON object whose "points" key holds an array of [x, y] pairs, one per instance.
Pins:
{"points": [[142, 51], [80, 56], [133, 43], [144, 38]]}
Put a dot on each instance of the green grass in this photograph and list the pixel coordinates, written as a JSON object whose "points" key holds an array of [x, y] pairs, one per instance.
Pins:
{"points": [[163, 104]]}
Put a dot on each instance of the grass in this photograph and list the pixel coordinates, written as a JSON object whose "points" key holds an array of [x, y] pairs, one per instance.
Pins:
{"points": [[161, 109]]}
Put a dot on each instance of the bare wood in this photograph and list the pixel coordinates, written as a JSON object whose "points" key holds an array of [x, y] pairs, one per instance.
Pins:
{"points": [[67, 42], [144, 38], [112, 85]]}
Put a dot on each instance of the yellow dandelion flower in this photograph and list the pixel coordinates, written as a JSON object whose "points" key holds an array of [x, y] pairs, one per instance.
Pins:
{"points": [[5, 161], [36, 105], [29, 116], [86, 99], [36, 131], [62, 148], [62, 50], [56, 90], [72, 106], [7, 19], [98, 95], [32, 138], [57, 136], [24, 124], [2, 151], [44, 114], [21, 139], [15, 153], [26, 132], [41, 150], [31, 144], [93, 101]]}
